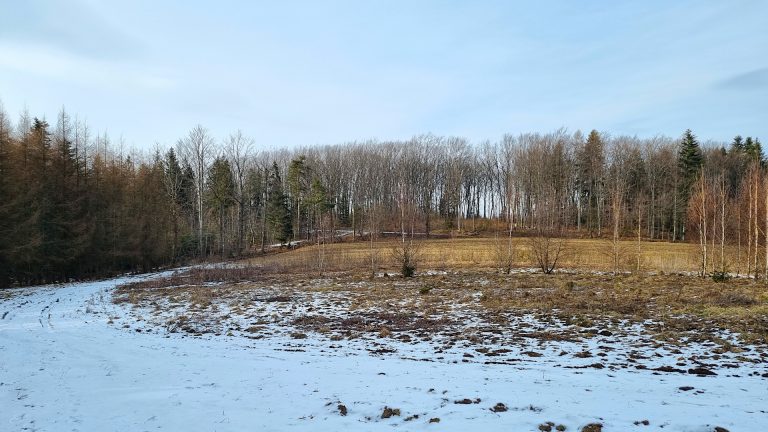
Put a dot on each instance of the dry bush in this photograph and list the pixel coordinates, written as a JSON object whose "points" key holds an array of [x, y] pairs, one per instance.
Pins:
{"points": [[504, 250], [406, 255], [618, 254], [548, 251]]}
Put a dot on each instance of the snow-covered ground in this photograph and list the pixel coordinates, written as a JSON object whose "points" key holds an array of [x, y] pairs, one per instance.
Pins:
{"points": [[71, 360]]}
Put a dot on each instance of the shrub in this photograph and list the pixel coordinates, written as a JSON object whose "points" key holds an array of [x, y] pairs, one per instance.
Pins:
{"points": [[406, 255], [720, 276], [735, 299]]}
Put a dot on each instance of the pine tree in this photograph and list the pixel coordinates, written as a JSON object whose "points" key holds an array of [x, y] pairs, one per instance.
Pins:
{"points": [[319, 199]]}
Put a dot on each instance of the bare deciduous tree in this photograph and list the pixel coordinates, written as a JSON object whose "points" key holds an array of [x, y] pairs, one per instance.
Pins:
{"points": [[197, 148], [238, 149]]}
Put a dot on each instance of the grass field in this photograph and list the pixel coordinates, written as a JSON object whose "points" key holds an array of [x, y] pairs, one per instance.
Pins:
{"points": [[665, 288], [481, 252]]}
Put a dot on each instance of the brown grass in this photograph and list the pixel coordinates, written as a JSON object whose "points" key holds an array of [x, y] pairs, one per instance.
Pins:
{"points": [[426, 303], [676, 303], [481, 252], [675, 300]]}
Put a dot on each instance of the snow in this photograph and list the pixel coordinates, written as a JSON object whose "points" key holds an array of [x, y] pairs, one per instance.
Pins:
{"points": [[71, 360]]}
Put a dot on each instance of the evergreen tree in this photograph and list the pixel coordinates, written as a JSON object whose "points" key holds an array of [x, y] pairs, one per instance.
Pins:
{"points": [[591, 162], [278, 212], [220, 193], [689, 163], [173, 178], [737, 145], [319, 200], [690, 158], [255, 199], [754, 150], [153, 217], [298, 184]]}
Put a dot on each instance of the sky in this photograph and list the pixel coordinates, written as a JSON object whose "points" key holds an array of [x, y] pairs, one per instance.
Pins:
{"points": [[295, 74]]}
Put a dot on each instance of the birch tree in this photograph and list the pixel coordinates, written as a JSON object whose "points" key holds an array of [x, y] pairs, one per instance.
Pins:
{"points": [[197, 148]]}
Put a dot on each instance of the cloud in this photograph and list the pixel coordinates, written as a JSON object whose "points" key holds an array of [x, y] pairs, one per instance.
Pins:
{"points": [[753, 80], [59, 66], [73, 26]]}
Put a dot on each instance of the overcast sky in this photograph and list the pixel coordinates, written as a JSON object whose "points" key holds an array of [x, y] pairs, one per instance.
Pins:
{"points": [[319, 72]]}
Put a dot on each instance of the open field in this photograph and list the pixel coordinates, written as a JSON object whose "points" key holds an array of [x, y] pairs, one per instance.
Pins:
{"points": [[273, 345], [474, 252], [698, 308]]}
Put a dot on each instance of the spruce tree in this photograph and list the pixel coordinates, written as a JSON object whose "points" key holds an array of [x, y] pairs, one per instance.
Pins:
{"points": [[754, 150], [737, 145], [278, 212], [689, 163], [591, 162], [220, 193]]}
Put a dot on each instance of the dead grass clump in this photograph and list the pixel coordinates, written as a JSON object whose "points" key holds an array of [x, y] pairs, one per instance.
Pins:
{"points": [[430, 324], [735, 298], [177, 323], [311, 321], [354, 323], [277, 299], [202, 297]]}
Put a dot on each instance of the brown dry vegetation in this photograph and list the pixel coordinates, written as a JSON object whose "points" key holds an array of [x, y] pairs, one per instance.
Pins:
{"points": [[676, 303], [482, 252]]}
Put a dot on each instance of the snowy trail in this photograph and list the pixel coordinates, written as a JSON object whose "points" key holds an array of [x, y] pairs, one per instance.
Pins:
{"points": [[64, 367]]}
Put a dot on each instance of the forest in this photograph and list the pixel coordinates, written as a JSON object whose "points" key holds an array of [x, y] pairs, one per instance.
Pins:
{"points": [[76, 204]]}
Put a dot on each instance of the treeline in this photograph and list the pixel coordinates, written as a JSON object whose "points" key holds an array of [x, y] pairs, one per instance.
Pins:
{"points": [[75, 204]]}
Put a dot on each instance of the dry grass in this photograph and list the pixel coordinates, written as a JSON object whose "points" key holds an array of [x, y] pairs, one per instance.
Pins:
{"points": [[481, 252], [676, 303]]}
